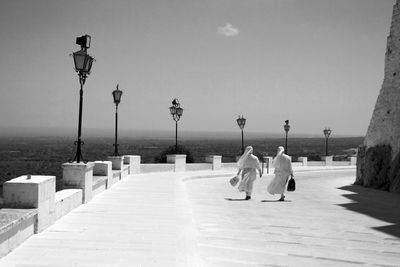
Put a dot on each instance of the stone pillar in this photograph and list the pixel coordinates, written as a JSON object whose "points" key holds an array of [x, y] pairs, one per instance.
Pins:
{"points": [[32, 191], [215, 160], [328, 160], [104, 168], [303, 160], [79, 176], [117, 162], [179, 161], [134, 163], [353, 161], [268, 161]]}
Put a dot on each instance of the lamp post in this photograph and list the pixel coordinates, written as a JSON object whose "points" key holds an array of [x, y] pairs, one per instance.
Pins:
{"points": [[176, 112], [327, 133], [117, 99], [83, 64], [286, 127], [241, 121]]}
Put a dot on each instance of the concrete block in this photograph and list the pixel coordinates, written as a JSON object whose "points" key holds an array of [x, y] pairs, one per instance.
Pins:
{"points": [[79, 176], [104, 168], [328, 160], [353, 161], [215, 160], [303, 160], [117, 162], [32, 191], [134, 163], [179, 161]]}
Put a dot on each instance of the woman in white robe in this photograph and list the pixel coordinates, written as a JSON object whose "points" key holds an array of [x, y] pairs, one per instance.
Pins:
{"points": [[283, 169], [248, 165]]}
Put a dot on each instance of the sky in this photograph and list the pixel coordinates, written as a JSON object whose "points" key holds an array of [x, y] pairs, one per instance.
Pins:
{"points": [[316, 63]]}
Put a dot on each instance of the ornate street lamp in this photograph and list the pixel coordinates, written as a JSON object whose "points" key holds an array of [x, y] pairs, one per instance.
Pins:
{"points": [[117, 99], [83, 64], [286, 127], [241, 121], [327, 133], [176, 112]]}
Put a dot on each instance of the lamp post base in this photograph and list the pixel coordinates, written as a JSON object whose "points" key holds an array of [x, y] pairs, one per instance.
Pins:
{"points": [[78, 155]]}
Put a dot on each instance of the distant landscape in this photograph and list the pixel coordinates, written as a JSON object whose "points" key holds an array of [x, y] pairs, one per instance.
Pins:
{"points": [[45, 155]]}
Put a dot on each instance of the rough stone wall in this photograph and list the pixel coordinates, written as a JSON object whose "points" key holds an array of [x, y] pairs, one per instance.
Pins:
{"points": [[378, 161]]}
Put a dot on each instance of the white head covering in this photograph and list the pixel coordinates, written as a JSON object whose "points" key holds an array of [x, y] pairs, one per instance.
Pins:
{"points": [[280, 151], [247, 160]]}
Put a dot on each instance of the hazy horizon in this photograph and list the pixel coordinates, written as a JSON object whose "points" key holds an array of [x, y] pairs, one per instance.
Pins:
{"points": [[153, 134]]}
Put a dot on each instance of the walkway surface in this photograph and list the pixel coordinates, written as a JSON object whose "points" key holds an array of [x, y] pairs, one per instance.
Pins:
{"points": [[168, 219]]}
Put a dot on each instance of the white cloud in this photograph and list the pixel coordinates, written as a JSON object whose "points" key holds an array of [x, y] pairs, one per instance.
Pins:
{"points": [[228, 30]]}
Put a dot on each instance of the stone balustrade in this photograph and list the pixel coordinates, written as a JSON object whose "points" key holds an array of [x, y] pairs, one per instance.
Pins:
{"points": [[33, 204]]}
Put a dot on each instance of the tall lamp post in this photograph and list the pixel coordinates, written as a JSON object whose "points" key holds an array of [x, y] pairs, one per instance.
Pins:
{"points": [[117, 99], [286, 127], [83, 64], [327, 133], [241, 121], [176, 112]]}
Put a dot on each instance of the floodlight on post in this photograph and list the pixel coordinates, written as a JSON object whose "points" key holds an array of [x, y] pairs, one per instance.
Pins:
{"points": [[241, 121], [176, 112], [286, 127], [327, 133], [83, 65], [117, 99]]}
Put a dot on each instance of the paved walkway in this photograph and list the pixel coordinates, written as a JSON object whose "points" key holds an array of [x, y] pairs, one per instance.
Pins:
{"points": [[158, 220]]}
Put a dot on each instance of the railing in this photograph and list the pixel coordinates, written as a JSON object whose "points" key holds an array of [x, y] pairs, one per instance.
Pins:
{"points": [[32, 203]]}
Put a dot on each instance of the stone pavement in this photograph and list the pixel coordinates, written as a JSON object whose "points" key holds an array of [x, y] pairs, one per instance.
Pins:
{"points": [[168, 219], [325, 222]]}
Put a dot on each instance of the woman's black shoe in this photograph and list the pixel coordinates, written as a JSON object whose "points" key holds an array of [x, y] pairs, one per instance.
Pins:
{"points": [[248, 197]]}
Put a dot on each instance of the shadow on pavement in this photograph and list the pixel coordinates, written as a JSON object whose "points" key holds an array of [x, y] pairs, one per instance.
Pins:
{"points": [[236, 199], [268, 200], [382, 205]]}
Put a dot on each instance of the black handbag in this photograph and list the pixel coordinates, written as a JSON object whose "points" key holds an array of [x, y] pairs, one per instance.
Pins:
{"points": [[291, 186]]}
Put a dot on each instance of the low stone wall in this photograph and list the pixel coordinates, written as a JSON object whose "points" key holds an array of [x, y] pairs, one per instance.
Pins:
{"points": [[297, 164], [99, 184], [83, 181], [161, 167], [228, 165], [198, 166], [125, 170], [341, 163], [67, 200], [316, 163], [16, 225]]}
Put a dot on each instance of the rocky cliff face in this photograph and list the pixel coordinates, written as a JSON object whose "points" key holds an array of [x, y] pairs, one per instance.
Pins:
{"points": [[378, 163]]}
